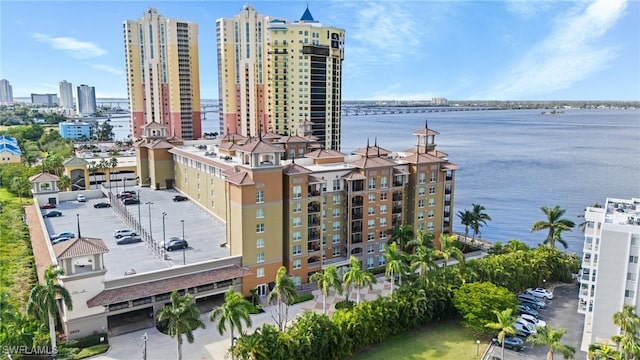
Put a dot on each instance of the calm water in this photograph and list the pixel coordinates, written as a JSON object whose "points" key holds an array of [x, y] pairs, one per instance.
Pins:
{"points": [[514, 162]]}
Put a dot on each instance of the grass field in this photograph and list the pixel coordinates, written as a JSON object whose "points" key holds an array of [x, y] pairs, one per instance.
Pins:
{"points": [[445, 341]]}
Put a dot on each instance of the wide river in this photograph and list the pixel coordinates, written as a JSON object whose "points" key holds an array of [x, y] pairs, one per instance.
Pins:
{"points": [[512, 162]]}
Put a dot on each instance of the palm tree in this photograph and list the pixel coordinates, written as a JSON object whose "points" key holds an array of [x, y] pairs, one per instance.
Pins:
{"points": [[466, 219], [603, 352], [233, 312], [43, 301], [448, 249], [554, 222], [504, 325], [284, 291], [548, 336], [479, 218], [182, 317], [64, 182], [327, 280], [357, 277], [401, 235], [629, 322], [396, 263], [422, 239]]}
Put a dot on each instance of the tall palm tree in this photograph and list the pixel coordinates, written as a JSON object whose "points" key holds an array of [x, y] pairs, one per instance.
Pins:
{"points": [[401, 235], [43, 301], [504, 325], [479, 218], [629, 323], [327, 280], [603, 352], [396, 263], [182, 317], [64, 182], [357, 277], [448, 249], [553, 223], [548, 336], [235, 310], [113, 163], [284, 291], [466, 219], [422, 239]]}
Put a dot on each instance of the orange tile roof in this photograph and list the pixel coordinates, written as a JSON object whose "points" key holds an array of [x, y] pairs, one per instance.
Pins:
{"points": [[324, 153], [79, 247], [293, 168], [239, 177], [43, 177]]}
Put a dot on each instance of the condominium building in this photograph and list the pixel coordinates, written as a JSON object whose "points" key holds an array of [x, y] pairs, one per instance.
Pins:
{"points": [[163, 78], [610, 269], [277, 76], [86, 100], [285, 201], [75, 130], [6, 92], [44, 99], [66, 94]]}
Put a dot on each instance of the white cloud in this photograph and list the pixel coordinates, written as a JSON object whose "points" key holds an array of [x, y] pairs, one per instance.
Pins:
{"points": [[527, 8], [74, 47], [569, 54], [107, 68]]}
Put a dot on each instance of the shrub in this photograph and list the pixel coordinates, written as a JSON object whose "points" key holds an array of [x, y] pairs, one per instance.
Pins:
{"points": [[87, 341], [344, 304], [302, 298], [91, 351]]}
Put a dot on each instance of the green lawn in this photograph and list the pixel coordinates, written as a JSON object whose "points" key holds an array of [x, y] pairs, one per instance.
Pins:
{"points": [[445, 341]]}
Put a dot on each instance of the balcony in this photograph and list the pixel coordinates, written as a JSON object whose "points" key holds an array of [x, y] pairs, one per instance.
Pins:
{"points": [[398, 183], [356, 238], [356, 201], [446, 224], [447, 191], [313, 247], [447, 203], [357, 185], [313, 207], [313, 220], [356, 226], [313, 261], [396, 210], [313, 234], [397, 196], [356, 214]]}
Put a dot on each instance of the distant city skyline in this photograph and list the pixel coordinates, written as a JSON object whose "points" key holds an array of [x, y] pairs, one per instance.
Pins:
{"points": [[400, 50]]}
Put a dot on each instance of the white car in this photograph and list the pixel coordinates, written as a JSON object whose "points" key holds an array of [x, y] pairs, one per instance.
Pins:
{"points": [[123, 232], [540, 293], [81, 198], [525, 324], [533, 320]]}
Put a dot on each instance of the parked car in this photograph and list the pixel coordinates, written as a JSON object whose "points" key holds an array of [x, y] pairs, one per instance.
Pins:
{"points": [[48, 206], [521, 330], [533, 320], [123, 232], [62, 234], [527, 325], [510, 342], [180, 198], [524, 309], [52, 213], [532, 299], [81, 198], [131, 201], [176, 243], [101, 205], [540, 293], [531, 304], [129, 240], [61, 239], [127, 194]]}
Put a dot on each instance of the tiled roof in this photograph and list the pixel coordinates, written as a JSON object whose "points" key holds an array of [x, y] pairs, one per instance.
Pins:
{"points": [[43, 177], [233, 138], [292, 139], [10, 147], [239, 177], [421, 158], [371, 151], [424, 132], [372, 162], [315, 180], [322, 153], [157, 287], [75, 161], [400, 171], [293, 168], [153, 125], [155, 144], [79, 247], [258, 146], [270, 135], [449, 166], [354, 175]]}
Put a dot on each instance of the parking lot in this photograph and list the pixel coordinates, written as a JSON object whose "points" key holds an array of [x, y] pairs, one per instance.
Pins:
{"points": [[561, 313], [204, 233]]}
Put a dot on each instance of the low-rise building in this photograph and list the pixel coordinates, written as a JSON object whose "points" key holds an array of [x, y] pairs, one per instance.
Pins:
{"points": [[75, 130], [9, 150]]}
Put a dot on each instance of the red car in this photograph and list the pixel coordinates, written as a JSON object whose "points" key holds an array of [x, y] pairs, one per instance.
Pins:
{"points": [[48, 206]]}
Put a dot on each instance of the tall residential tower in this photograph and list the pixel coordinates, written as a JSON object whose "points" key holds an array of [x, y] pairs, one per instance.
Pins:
{"points": [[66, 94], [163, 78], [86, 104], [6, 92], [280, 76]]}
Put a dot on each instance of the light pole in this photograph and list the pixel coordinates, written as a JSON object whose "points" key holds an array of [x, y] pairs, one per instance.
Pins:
{"points": [[139, 220], [78, 221], [150, 231], [184, 260], [145, 337], [164, 238], [478, 347]]}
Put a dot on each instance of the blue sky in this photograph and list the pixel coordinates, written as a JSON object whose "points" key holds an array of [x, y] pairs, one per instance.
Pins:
{"points": [[503, 50]]}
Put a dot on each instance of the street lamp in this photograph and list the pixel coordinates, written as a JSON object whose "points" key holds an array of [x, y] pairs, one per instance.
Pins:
{"points": [[478, 347], [164, 238], [78, 221], [184, 260], [139, 220], [150, 231]]}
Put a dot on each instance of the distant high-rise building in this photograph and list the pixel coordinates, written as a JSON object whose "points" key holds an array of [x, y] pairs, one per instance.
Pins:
{"points": [[439, 101], [163, 77], [44, 99], [6, 92], [86, 100], [66, 94], [280, 76]]}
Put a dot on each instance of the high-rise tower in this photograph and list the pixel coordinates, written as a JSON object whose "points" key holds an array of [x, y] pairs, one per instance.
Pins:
{"points": [[86, 104], [163, 77], [278, 75], [6, 91], [66, 94]]}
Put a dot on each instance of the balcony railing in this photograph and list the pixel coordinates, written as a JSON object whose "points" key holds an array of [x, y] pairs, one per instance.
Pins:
{"points": [[313, 235], [356, 238], [313, 247], [356, 214], [396, 210], [313, 208], [313, 220], [397, 197], [356, 201]]}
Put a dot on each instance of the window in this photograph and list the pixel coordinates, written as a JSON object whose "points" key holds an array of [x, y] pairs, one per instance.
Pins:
{"points": [[336, 212], [372, 197], [420, 215], [430, 214], [383, 235], [383, 209], [297, 221], [432, 177], [369, 263], [629, 293], [633, 259], [259, 196], [432, 190], [336, 199], [382, 261], [371, 223], [297, 207], [421, 178], [297, 236], [260, 272], [371, 210], [421, 191], [631, 276], [371, 236], [383, 196], [370, 249], [336, 184], [432, 202], [260, 243], [336, 238], [421, 203], [297, 249], [430, 225], [260, 257], [297, 280], [382, 247], [336, 251], [297, 192], [383, 222], [336, 225], [260, 228], [372, 183], [297, 264], [259, 213], [384, 183]]}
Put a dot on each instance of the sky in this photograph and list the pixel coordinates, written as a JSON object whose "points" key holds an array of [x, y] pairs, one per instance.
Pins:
{"points": [[394, 50]]}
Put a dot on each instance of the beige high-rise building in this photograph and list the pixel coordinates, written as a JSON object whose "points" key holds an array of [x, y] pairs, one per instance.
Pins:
{"points": [[280, 76], [163, 77]]}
